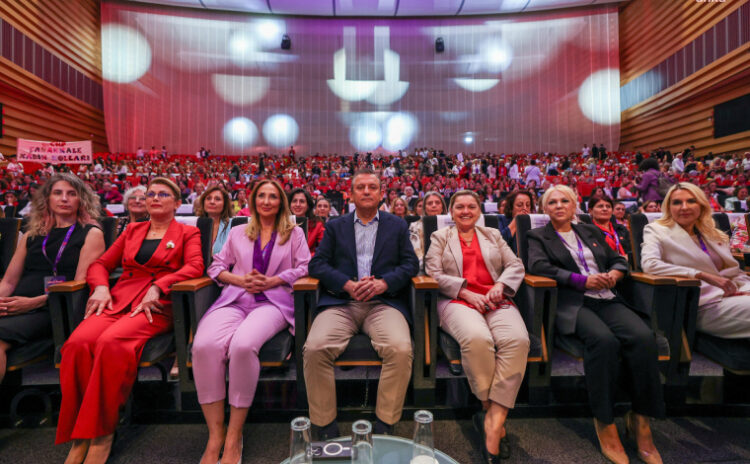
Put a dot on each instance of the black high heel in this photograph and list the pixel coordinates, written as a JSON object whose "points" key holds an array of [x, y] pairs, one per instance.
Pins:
{"points": [[487, 457]]}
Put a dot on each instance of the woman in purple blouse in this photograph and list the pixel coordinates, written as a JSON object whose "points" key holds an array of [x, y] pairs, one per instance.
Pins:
{"points": [[257, 268]]}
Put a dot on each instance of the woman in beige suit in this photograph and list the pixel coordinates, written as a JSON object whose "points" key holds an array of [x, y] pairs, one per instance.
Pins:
{"points": [[478, 273], [685, 242]]}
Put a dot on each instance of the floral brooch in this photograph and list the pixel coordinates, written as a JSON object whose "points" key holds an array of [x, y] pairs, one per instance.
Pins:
{"points": [[170, 245]]}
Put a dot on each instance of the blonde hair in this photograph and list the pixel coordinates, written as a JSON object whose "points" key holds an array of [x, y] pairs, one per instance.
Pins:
{"points": [[283, 225], [567, 192], [705, 223], [41, 220], [396, 200]]}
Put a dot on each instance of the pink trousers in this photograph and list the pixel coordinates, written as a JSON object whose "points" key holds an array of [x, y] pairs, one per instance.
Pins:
{"points": [[232, 335]]}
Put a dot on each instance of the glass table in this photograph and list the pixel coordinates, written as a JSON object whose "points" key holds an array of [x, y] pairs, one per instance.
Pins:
{"points": [[387, 450]]}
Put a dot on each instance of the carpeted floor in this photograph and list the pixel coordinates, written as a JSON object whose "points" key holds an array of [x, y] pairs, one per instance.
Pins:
{"points": [[566, 440]]}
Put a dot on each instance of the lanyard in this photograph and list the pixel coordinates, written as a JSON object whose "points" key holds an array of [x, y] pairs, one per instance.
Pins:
{"points": [[60, 251], [702, 243], [612, 235], [580, 251]]}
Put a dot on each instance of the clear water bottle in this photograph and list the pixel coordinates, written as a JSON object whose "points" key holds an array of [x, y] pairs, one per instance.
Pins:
{"points": [[300, 451], [423, 450], [362, 442]]}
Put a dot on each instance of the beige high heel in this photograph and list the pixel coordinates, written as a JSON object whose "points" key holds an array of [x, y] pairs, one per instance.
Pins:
{"points": [[631, 425], [617, 457]]}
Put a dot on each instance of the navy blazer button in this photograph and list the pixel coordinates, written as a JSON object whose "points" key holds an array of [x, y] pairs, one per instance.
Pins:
{"points": [[152, 274], [131, 274]]}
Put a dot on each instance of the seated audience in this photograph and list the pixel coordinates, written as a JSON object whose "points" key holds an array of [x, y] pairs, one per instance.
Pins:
{"points": [[215, 203], [685, 242], [100, 359], [474, 308], [365, 263], [301, 205], [651, 206], [61, 240], [134, 202], [617, 236], [621, 215], [317, 226], [434, 205], [586, 270], [257, 268], [738, 201], [519, 202], [399, 207]]}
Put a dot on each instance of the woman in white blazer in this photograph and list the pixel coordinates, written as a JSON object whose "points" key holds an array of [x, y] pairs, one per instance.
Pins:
{"points": [[686, 243], [478, 273]]}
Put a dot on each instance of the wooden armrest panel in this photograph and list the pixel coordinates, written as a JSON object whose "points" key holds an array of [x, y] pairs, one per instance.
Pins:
{"points": [[652, 279], [68, 287], [539, 281], [687, 282], [424, 283], [192, 284], [306, 284]]}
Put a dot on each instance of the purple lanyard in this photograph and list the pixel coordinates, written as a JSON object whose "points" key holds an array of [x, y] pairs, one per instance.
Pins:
{"points": [[580, 250], [617, 239], [702, 243], [60, 251]]}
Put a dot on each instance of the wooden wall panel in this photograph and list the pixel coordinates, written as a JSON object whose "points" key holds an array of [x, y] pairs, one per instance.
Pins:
{"points": [[680, 115], [68, 28], [652, 30], [39, 110]]}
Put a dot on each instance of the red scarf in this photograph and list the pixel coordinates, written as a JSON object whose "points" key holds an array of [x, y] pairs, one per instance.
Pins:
{"points": [[609, 236]]}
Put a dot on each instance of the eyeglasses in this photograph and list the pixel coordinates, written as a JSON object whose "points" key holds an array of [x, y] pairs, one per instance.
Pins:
{"points": [[161, 195], [137, 198]]}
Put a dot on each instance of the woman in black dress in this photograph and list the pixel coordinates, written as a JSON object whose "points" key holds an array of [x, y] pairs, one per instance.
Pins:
{"points": [[60, 242]]}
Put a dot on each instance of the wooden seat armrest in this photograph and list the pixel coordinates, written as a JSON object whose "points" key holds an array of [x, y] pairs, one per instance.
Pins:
{"points": [[424, 283], [306, 284], [192, 284], [652, 279], [687, 282], [68, 286], [539, 281]]}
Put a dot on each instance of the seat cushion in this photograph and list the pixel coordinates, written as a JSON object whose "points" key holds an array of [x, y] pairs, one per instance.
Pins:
{"points": [[359, 349], [732, 354], [25, 353], [158, 348], [277, 349]]}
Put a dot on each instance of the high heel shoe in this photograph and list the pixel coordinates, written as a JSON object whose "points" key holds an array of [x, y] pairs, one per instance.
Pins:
{"points": [[631, 426], [617, 457], [487, 457]]}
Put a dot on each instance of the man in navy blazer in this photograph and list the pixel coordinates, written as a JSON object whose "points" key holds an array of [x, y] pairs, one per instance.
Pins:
{"points": [[364, 262]]}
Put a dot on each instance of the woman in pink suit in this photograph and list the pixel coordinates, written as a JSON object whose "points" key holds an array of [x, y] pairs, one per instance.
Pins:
{"points": [[257, 267]]}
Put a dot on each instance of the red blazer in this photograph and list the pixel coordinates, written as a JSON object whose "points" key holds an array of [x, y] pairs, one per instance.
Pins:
{"points": [[177, 258], [314, 235]]}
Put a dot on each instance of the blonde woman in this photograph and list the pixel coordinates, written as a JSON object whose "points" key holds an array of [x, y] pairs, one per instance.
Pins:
{"points": [[685, 242], [589, 308], [257, 267]]}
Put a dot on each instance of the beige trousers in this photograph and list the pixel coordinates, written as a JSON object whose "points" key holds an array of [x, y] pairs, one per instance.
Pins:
{"points": [[729, 318], [494, 349], [330, 334]]}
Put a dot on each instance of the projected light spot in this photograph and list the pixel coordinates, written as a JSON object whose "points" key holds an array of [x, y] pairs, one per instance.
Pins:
{"points": [[280, 130], [240, 132], [126, 54], [365, 135], [599, 97], [468, 139], [240, 90], [496, 55], [242, 48], [400, 129], [476, 85], [269, 31]]}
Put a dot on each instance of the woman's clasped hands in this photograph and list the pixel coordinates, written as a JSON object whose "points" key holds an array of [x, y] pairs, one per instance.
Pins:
{"points": [[255, 282], [484, 303], [603, 281]]}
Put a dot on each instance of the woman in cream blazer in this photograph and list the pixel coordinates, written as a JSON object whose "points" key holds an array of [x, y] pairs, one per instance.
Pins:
{"points": [[686, 243], [478, 273]]}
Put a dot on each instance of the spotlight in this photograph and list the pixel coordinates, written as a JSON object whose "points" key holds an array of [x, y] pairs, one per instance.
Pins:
{"points": [[286, 42], [439, 45]]}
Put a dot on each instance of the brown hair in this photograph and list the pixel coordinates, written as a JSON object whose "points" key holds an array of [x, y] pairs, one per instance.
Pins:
{"points": [[226, 211], [41, 220], [462, 193], [510, 199], [283, 224]]}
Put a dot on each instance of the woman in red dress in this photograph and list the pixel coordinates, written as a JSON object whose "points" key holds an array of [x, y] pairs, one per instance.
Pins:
{"points": [[100, 359]]}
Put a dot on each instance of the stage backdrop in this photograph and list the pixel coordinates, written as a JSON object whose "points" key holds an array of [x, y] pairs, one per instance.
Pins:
{"points": [[187, 78]]}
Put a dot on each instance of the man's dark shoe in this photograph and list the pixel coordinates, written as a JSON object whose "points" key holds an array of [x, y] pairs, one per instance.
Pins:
{"points": [[327, 432]]}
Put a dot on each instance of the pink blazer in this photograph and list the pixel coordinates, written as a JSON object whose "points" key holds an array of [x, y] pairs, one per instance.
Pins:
{"points": [[288, 261]]}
